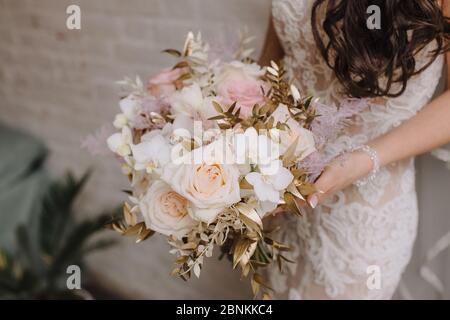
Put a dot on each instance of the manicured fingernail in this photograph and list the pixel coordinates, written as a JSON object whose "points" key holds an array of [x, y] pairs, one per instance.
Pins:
{"points": [[313, 201]]}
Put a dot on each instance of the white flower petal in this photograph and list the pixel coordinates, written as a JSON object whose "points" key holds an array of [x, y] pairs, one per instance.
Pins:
{"points": [[127, 135], [154, 151], [282, 179], [281, 114], [129, 105], [295, 93], [263, 189], [124, 150], [271, 168], [254, 178], [143, 151], [183, 123], [114, 142], [266, 192], [265, 207], [188, 101], [120, 121]]}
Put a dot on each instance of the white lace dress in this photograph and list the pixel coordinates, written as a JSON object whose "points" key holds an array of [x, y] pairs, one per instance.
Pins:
{"points": [[375, 225]]}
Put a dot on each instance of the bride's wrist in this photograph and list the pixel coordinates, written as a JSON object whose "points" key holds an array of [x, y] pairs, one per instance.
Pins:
{"points": [[366, 164], [362, 164]]}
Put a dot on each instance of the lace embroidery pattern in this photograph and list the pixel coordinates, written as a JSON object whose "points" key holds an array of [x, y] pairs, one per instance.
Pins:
{"points": [[373, 225]]}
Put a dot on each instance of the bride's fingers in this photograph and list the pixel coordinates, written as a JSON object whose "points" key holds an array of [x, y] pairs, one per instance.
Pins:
{"points": [[323, 184], [278, 211], [301, 203], [315, 199]]}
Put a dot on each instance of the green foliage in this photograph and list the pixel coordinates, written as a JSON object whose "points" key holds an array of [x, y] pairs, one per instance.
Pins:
{"points": [[44, 250]]}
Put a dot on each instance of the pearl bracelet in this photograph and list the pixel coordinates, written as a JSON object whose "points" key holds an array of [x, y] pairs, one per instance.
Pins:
{"points": [[373, 155]]}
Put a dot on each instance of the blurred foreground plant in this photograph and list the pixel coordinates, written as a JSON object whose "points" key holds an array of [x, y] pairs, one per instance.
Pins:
{"points": [[50, 243]]}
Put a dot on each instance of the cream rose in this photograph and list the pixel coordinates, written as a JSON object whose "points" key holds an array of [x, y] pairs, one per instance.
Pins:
{"points": [[165, 211], [209, 187], [305, 143]]}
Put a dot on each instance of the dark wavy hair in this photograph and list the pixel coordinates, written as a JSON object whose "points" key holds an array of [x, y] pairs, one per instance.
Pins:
{"points": [[368, 62]]}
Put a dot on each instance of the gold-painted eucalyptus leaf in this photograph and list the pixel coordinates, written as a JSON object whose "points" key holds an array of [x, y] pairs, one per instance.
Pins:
{"points": [[291, 204], [217, 106], [181, 64], [129, 216], [144, 234], [289, 156], [134, 230], [173, 52], [240, 248], [307, 189], [293, 189]]}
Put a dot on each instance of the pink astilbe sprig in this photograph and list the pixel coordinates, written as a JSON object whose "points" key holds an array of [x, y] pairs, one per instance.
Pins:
{"points": [[326, 127], [96, 143], [226, 48], [314, 164], [221, 51], [331, 120]]}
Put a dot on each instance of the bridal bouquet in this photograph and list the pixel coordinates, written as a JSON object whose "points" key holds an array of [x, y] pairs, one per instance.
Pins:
{"points": [[211, 148]]}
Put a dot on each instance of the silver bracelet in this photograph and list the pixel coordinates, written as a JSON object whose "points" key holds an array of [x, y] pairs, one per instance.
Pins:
{"points": [[373, 155]]}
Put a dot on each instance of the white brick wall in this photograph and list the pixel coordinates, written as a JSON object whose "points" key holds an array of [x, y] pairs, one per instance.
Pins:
{"points": [[59, 85]]}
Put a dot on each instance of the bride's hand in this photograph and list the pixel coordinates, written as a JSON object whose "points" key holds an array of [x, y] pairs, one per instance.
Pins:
{"points": [[339, 174]]}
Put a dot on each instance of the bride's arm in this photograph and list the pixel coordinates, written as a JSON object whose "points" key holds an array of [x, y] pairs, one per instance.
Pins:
{"points": [[272, 49], [427, 130]]}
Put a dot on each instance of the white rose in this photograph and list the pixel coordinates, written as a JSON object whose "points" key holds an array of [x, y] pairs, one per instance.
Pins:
{"points": [[165, 211], [305, 143], [210, 188]]}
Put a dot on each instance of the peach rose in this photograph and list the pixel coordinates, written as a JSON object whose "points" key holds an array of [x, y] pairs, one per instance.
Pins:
{"points": [[210, 188], [166, 82], [239, 82], [165, 211]]}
